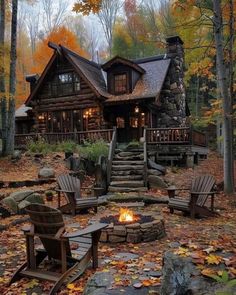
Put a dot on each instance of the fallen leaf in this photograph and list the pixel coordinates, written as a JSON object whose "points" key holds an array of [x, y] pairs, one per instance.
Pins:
{"points": [[213, 259]]}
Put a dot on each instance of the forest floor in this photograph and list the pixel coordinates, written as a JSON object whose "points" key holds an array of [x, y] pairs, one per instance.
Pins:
{"points": [[210, 242]]}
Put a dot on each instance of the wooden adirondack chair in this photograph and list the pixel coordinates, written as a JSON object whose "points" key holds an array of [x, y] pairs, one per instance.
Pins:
{"points": [[201, 188], [48, 225], [70, 187]]}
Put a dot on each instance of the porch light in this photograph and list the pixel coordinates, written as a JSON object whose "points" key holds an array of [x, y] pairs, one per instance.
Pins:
{"points": [[41, 117], [136, 110]]}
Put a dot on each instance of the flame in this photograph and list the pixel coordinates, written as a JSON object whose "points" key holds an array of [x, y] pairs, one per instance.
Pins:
{"points": [[126, 215]]}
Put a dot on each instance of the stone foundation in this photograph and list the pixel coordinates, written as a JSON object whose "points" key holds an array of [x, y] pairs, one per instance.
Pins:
{"points": [[134, 232]]}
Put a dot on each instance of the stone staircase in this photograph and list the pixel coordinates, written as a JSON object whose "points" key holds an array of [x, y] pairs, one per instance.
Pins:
{"points": [[127, 171]]}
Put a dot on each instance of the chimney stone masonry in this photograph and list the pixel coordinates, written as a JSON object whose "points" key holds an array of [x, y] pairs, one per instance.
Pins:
{"points": [[172, 97]]}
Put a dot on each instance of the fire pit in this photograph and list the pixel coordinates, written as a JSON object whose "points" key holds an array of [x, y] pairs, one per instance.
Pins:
{"points": [[132, 228]]}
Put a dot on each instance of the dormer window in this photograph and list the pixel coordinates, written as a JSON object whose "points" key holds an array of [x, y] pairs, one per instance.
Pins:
{"points": [[120, 83]]}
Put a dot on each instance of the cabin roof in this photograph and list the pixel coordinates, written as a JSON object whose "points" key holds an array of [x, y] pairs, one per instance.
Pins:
{"points": [[154, 70], [121, 60], [22, 111], [150, 84], [89, 70]]}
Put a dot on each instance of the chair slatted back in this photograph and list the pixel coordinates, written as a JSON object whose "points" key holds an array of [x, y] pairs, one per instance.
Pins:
{"points": [[47, 221], [204, 183], [69, 183]]}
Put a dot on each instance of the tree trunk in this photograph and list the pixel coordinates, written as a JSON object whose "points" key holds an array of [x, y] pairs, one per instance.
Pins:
{"points": [[12, 80], [2, 44], [227, 104], [4, 125], [11, 127]]}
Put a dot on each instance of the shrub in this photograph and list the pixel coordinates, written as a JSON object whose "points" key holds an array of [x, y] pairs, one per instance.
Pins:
{"points": [[67, 146], [92, 151], [38, 146]]}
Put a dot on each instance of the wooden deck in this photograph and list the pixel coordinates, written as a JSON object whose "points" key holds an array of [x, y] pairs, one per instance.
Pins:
{"points": [[181, 135], [154, 136]]}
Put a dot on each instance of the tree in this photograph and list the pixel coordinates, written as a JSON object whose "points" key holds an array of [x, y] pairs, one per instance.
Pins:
{"points": [[227, 99], [2, 47], [55, 14], [87, 6], [60, 36], [106, 11], [12, 80], [107, 16]]}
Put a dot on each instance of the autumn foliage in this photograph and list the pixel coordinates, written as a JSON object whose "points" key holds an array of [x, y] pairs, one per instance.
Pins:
{"points": [[87, 6], [60, 36]]}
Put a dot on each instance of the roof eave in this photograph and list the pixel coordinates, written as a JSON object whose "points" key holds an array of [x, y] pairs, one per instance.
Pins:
{"points": [[41, 78], [98, 94]]}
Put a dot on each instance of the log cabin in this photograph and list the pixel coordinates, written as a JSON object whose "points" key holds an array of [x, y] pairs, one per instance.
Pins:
{"points": [[75, 98], [74, 94]]}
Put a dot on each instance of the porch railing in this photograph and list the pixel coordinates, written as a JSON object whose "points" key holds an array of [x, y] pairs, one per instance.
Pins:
{"points": [[145, 166], [79, 137], [181, 135], [111, 154]]}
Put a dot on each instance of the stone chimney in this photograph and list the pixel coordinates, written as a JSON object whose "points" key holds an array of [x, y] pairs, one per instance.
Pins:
{"points": [[32, 79], [173, 100]]}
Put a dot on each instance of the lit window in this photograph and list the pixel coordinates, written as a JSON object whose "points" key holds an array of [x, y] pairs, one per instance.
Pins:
{"points": [[120, 122], [65, 78], [120, 83]]}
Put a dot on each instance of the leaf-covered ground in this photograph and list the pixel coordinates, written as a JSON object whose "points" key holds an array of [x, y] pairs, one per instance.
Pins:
{"points": [[211, 242]]}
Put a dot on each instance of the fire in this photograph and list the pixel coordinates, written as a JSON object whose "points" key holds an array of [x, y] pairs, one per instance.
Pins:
{"points": [[126, 215]]}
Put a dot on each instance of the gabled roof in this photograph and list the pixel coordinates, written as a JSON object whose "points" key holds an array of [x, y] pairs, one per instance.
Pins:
{"points": [[121, 60], [41, 79], [150, 84], [88, 70]]}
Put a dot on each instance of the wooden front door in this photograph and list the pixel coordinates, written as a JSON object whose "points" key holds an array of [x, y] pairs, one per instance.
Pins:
{"points": [[130, 125]]}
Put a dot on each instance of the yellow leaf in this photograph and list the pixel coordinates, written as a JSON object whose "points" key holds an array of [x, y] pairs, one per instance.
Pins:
{"points": [[213, 259], [208, 272], [71, 286], [33, 283], [182, 251]]}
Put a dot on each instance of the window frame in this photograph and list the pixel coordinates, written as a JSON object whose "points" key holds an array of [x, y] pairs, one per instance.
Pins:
{"points": [[116, 92], [57, 87]]}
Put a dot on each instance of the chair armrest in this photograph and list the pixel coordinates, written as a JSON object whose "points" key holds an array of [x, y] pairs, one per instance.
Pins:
{"points": [[88, 230], [64, 191]]}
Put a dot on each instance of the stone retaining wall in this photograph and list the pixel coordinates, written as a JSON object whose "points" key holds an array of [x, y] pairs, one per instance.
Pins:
{"points": [[135, 232]]}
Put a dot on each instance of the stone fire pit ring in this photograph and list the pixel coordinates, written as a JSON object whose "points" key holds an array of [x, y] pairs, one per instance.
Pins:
{"points": [[135, 232]]}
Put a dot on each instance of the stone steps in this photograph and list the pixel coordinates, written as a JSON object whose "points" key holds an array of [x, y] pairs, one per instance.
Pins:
{"points": [[127, 171], [126, 167], [127, 183], [126, 177], [125, 162], [115, 189]]}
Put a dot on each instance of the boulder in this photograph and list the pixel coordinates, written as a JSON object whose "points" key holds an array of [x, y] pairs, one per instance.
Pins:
{"points": [[16, 155], [156, 182], [33, 198], [21, 195], [98, 284], [182, 277], [156, 166], [46, 172], [11, 204], [177, 272], [154, 172], [17, 201]]}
